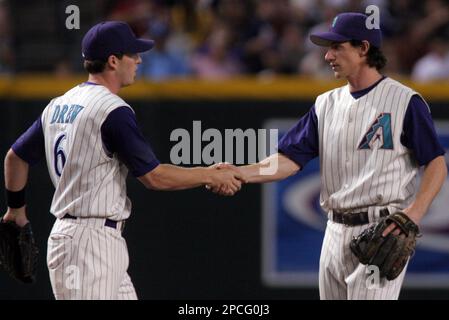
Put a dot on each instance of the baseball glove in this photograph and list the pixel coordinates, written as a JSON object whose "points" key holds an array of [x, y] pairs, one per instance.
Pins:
{"points": [[390, 253], [18, 251]]}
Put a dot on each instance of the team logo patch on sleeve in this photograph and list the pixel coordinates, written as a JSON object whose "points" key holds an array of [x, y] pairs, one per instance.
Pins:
{"points": [[379, 134]]}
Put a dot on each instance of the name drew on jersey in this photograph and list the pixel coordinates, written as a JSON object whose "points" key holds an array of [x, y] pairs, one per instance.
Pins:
{"points": [[65, 114], [379, 134]]}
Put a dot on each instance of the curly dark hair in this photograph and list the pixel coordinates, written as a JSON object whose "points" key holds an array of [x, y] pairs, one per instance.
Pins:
{"points": [[375, 57]]}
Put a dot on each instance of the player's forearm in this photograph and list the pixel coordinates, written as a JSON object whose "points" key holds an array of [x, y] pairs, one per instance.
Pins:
{"points": [[16, 172], [169, 177], [275, 167], [16, 176], [432, 180]]}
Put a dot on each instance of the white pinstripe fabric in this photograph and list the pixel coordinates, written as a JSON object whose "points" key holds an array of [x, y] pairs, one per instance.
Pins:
{"points": [[91, 183], [354, 179], [88, 262]]}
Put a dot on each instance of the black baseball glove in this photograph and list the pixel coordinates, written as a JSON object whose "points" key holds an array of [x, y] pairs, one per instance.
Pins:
{"points": [[18, 251], [390, 253]]}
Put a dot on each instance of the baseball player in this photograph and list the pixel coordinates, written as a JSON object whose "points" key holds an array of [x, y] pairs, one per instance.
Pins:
{"points": [[90, 139], [371, 135]]}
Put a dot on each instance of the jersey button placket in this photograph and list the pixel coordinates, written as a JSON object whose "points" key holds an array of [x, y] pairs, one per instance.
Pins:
{"points": [[350, 113], [350, 124]]}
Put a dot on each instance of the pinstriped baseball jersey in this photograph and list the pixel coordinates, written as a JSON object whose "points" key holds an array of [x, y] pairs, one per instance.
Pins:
{"points": [[362, 160], [88, 182]]}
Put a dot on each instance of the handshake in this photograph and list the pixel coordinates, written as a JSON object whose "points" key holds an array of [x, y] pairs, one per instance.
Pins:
{"points": [[226, 179]]}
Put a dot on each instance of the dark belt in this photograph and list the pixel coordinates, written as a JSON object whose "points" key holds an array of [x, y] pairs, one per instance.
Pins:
{"points": [[355, 219], [108, 222]]}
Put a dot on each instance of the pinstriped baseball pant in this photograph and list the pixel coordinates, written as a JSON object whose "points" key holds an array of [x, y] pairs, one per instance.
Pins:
{"points": [[88, 262], [342, 277]]}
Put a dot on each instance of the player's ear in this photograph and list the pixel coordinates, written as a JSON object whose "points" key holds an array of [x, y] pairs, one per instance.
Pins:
{"points": [[364, 48], [112, 62]]}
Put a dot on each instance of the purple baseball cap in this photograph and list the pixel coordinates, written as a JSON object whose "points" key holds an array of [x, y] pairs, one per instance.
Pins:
{"points": [[112, 37], [348, 26]]}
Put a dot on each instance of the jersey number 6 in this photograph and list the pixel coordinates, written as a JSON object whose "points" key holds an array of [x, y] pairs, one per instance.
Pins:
{"points": [[59, 155]]}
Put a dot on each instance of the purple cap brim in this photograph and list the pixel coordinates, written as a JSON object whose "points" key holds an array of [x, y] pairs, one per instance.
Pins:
{"points": [[326, 38], [141, 45]]}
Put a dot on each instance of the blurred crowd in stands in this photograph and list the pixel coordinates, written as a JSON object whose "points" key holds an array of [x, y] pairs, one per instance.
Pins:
{"points": [[220, 39]]}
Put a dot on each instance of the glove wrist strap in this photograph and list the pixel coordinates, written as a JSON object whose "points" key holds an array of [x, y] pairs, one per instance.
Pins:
{"points": [[15, 199]]}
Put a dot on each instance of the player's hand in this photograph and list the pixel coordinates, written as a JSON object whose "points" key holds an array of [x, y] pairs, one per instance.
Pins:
{"points": [[395, 230], [225, 180], [16, 215], [392, 228], [227, 165]]}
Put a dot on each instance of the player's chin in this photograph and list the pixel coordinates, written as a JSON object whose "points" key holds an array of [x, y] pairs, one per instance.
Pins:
{"points": [[337, 75], [129, 82]]}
